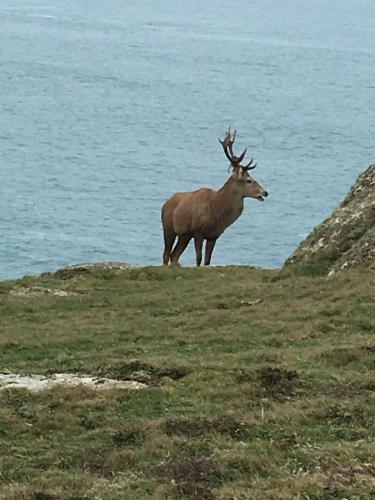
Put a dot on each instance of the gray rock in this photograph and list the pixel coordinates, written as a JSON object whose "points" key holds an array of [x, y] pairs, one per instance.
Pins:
{"points": [[38, 291], [91, 268], [35, 382]]}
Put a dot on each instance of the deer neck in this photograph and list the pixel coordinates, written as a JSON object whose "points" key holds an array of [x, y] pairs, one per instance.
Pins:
{"points": [[229, 202]]}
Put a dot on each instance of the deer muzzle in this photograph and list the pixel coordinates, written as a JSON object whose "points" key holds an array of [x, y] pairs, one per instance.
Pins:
{"points": [[262, 196]]}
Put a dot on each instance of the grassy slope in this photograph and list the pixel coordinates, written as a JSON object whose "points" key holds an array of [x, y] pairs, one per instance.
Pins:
{"points": [[272, 399]]}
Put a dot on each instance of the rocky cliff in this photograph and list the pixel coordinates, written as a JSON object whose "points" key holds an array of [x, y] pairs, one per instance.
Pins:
{"points": [[347, 237]]}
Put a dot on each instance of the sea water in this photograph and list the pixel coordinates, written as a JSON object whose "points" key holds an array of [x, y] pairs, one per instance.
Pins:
{"points": [[109, 107]]}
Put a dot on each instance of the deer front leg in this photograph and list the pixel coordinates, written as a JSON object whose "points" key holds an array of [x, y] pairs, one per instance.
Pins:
{"points": [[209, 249], [198, 241]]}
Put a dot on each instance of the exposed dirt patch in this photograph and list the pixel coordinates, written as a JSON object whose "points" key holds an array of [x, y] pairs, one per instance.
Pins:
{"points": [[194, 477], [226, 426], [143, 372], [90, 268], [40, 382], [278, 381]]}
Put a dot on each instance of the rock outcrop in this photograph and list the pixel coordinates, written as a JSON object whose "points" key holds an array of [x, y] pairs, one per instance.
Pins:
{"points": [[347, 237], [90, 268]]}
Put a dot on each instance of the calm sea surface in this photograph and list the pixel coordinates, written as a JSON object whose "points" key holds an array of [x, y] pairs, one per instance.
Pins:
{"points": [[109, 107]]}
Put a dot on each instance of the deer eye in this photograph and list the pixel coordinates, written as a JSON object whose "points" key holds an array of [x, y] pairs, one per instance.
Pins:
{"points": [[249, 181]]}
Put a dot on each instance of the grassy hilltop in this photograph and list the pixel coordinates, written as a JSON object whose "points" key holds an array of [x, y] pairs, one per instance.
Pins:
{"points": [[260, 384]]}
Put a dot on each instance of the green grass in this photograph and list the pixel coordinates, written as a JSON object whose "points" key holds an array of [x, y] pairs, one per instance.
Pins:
{"points": [[260, 385]]}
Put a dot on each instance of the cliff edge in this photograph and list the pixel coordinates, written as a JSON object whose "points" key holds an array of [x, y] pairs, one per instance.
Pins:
{"points": [[347, 237]]}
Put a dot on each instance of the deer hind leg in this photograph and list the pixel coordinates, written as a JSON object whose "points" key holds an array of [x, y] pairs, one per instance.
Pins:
{"points": [[181, 244], [198, 241], [169, 239], [208, 253]]}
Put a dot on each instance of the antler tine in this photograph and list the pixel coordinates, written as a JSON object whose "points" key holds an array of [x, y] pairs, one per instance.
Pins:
{"points": [[227, 143], [231, 140], [242, 156], [225, 150], [248, 167], [236, 159]]}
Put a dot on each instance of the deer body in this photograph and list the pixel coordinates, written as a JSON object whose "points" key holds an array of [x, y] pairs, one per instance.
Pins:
{"points": [[205, 214]]}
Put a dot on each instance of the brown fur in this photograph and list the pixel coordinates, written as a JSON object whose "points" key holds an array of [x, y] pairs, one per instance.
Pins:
{"points": [[204, 214]]}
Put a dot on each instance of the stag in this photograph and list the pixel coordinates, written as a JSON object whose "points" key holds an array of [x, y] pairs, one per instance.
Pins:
{"points": [[204, 214]]}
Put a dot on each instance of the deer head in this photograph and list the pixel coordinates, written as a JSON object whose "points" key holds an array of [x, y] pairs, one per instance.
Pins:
{"points": [[246, 185]]}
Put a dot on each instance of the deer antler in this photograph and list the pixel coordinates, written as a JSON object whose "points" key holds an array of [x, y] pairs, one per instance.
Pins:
{"points": [[227, 144], [248, 167]]}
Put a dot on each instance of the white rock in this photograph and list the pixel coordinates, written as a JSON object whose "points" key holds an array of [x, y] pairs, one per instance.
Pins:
{"points": [[36, 383]]}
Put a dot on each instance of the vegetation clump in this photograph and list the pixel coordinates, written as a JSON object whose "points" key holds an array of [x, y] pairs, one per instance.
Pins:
{"points": [[278, 381], [194, 477]]}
